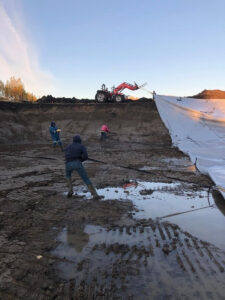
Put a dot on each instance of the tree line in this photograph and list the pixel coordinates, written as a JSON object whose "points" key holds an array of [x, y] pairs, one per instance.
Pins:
{"points": [[14, 90]]}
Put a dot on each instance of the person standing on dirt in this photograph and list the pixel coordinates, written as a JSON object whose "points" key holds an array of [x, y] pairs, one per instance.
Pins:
{"points": [[75, 154], [54, 131], [104, 132]]}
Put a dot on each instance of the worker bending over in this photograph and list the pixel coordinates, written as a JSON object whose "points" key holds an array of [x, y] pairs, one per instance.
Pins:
{"points": [[54, 131], [104, 132], [75, 154]]}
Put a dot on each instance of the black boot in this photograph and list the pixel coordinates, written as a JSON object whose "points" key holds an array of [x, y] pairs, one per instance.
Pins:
{"points": [[93, 192], [70, 192]]}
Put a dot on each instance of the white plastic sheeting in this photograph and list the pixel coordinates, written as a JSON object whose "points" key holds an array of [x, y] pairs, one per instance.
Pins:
{"points": [[197, 127]]}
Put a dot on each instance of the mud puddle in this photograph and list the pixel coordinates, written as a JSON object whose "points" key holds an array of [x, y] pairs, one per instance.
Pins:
{"points": [[193, 210], [154, 259]]}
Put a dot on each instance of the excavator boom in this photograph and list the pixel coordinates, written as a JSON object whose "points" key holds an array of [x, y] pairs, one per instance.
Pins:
{"points": [[125, 85]]}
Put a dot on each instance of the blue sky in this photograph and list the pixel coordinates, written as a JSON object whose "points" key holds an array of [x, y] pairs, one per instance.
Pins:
{"points": [[176, 46]]}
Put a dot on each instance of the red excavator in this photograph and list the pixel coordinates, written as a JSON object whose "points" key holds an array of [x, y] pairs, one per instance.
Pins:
{"points": [[104, 95]]}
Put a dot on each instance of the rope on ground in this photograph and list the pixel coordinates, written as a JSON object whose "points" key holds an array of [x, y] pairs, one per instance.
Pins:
{"points": [[143, 171], [41, 157], [119, 166]]}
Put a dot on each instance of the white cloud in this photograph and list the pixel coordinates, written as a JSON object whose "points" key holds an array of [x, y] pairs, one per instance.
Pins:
{"points": [[18, 58]]}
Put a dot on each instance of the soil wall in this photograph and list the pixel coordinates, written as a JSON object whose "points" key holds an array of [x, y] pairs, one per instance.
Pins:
{"points": [[29, 123]]}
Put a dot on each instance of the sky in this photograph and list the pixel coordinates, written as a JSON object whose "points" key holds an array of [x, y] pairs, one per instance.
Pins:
{"points": [[70, 47]]}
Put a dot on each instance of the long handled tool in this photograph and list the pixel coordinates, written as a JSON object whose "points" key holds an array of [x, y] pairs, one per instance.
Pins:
{"points": [[141, 171], [115, 165], [34, 157], [142, 88], [185, 212]]}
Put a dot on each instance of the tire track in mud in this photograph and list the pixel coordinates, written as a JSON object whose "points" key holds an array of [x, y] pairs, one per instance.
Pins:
{"points": [[152, 256]]}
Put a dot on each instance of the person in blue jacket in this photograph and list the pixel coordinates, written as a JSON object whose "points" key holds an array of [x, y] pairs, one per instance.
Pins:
{"points": [[75, 154], [54, 131]]}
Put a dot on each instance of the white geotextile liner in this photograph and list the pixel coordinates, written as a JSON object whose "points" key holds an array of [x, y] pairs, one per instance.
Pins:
{"points": [[197, 127]]}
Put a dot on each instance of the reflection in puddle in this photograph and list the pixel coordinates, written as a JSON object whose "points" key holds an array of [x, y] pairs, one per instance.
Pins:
{"points": [[149, 258], [194, 211], [73, 240], [77, 238], [74, 244]]}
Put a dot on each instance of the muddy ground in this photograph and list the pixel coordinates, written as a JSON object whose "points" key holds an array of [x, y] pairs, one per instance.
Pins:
{"points": [[54, 247]]}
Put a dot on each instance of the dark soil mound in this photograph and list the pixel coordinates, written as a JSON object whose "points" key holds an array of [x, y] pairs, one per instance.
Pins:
{"points": [[210, 94]]}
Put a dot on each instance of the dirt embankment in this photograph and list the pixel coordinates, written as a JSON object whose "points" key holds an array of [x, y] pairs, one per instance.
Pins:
{"points": [[210, 94], [26, 124]]}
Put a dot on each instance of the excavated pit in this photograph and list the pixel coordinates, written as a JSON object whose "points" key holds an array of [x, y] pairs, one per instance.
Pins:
{"points": [[157, 233]]}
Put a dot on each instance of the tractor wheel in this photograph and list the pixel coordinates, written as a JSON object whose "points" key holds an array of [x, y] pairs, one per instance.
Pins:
{"points": [[100, 97], [119, 98]]}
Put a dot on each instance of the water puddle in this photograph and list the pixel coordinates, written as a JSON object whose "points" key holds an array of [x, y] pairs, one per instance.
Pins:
{"points": [[122, 261], [193, 210], [76, 244]]}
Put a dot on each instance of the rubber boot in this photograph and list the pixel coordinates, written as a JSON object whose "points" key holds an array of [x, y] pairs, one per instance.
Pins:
{"points": [[70, 192], [61, 147], [93, 192]]}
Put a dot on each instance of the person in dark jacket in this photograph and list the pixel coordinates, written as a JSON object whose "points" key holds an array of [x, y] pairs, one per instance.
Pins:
{"points": [[75, 154], [54, 132]]}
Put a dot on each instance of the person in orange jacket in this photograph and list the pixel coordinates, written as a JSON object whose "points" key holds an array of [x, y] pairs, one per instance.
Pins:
{"points": [[104, 132]]}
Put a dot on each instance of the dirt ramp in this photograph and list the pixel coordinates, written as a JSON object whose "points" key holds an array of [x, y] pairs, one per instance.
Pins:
{"points": [[25, 124]]}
